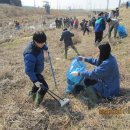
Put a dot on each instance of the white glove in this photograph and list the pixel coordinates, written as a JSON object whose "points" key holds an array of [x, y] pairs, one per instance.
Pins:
{"points": [[38, 84], [81, 58], [75, 73]]}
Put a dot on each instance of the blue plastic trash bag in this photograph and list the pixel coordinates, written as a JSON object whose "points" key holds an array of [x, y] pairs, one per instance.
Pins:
{"points": [[122, 31], [129, 4], [70, 86], [73, 80]]}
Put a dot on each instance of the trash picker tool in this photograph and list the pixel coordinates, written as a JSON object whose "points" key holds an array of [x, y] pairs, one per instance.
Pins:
{"points": [[105, 36], [62, 102], [52, 70], [56, 95]]}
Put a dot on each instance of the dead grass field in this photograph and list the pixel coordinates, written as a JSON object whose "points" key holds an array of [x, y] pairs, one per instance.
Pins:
{"points": [[17, 114]]}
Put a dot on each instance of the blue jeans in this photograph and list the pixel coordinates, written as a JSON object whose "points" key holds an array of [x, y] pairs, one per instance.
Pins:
{"points": [[69, 87]]}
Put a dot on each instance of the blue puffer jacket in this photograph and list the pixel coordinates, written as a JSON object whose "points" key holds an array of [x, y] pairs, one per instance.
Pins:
{"points": [[66, 36], [100, 25], [34, 60], [107, 75]]}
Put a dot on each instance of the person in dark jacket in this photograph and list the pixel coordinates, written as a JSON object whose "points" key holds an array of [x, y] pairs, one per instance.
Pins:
{"points": [[67, 37], [100, 26], [93, 22], [34, 55], [86, 28], [117, 12], [127, 4], [17, 25], [57, 22], [104, 79]]}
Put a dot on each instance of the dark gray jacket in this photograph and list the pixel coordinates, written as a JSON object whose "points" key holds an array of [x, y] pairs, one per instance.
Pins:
{"points": [[67, 37]]}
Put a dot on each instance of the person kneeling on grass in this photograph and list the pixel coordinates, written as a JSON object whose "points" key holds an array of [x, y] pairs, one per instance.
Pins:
{"points": [[104, 79], [34, 55]]}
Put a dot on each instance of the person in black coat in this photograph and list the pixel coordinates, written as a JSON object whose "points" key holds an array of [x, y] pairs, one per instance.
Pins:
{"points": [[127, 4], [67, 37]]}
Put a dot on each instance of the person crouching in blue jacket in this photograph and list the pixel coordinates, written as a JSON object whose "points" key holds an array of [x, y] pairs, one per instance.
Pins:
{"points": [[105, 77], [34, 65]]}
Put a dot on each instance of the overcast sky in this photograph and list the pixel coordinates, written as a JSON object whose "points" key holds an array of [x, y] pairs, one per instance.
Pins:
{"points": [[74, 4]]}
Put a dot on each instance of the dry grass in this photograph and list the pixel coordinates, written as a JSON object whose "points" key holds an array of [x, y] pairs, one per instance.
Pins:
{"points": [[17, 112]]}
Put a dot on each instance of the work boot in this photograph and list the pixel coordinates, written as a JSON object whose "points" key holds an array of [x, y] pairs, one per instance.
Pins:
{"points": [[91, 95], [65, 56], [38, 99], [32, 95], [77, 52]]}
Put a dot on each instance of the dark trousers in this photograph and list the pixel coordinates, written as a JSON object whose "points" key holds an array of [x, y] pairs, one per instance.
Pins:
{"points": [[98, 36], [41, 91], [87, 82], [115, 31], [73, 47], [86, 29]]}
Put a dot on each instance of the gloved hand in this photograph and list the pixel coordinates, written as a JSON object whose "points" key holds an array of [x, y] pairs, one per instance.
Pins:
{"points": [[75, 73], [40, 85], [81, 58]]}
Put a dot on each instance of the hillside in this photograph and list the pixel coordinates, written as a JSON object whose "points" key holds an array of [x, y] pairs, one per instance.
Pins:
{"points": [[30, 19], [18, 113]]}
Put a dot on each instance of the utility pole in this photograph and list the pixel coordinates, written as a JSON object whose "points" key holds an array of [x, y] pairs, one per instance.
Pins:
{"points": [[57, 4], [34, 4], [107, 5], [86, 4], [119, 3]]}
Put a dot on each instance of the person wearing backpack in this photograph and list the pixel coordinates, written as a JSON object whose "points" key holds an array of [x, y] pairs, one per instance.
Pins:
{"points": [[104, 78], [34, 56], [100, 26], [67, 37]]}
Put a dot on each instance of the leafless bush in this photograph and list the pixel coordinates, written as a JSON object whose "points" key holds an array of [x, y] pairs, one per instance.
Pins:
{"points": [[76, 39]]}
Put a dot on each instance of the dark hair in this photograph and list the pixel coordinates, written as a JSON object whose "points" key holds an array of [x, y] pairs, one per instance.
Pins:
{"points": [[108, 20], [105, 51], [39, 37], [100, 14], [64, 29]]}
